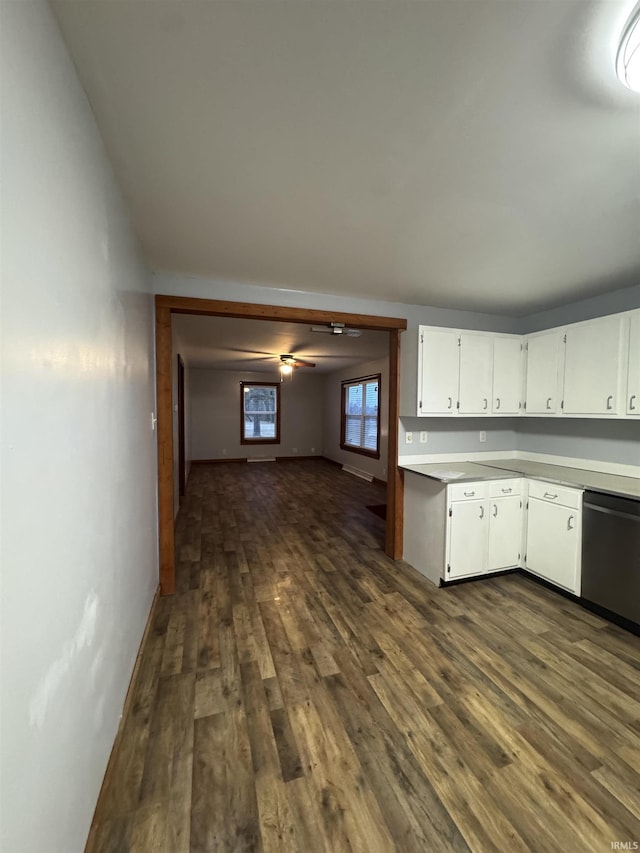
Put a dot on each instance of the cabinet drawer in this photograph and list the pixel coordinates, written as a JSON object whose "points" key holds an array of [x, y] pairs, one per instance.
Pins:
{"points": [[555, 494], [468, 491], [504, 488]]}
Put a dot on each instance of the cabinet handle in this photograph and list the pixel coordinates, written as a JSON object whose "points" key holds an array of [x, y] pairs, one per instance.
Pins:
{"points": [[632, 405], [609, 399], [482, 511], [495, 510], [450, 402], [569, 525], [469, 494], [497, 403], [506, 491], [548, 402], [486, 404], [550, 496]]}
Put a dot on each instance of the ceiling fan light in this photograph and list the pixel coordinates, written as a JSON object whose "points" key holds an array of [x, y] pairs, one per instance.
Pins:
{"points": [[286, 368], [628, 59]]}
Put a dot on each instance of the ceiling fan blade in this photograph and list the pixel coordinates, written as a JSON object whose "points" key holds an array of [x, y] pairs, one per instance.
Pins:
{"points": [[249, 351], [300, 363]]}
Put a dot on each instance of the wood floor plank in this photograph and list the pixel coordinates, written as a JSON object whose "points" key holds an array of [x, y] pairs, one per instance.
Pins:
{"points": [[350, 813], [302, 692], [211, 828], [123, 783], [459, 769], [622, 781], [277, 826]]}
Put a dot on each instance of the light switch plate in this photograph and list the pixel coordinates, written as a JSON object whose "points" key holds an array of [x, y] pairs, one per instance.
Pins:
{"points": [[408, 438]]}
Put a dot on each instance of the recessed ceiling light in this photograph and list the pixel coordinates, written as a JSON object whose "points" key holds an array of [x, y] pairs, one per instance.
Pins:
{"points": [[628, 60]]}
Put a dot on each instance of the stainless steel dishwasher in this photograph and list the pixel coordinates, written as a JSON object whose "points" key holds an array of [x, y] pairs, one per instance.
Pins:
{"points": [[611, 553]]}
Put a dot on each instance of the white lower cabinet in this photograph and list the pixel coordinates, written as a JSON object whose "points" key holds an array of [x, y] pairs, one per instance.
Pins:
{"points": [[554, 525], [465, 530], [468, 539], [484, 533], [505, 533]]}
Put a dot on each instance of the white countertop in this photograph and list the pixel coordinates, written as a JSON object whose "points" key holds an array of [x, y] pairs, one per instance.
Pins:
{"points": [[461, 472], [501, 469], [613, 484]]}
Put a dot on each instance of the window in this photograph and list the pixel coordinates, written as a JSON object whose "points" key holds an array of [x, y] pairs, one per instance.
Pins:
{"points": [[259, 413], [360, 430]]}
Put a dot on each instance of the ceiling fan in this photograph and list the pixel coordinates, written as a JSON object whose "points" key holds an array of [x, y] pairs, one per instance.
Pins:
{"points": [[337, 329], [292, 361], [289, 361]]}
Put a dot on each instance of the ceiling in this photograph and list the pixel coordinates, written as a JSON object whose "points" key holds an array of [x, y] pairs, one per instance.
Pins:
{"points": [[226, 343], [475, 154]]}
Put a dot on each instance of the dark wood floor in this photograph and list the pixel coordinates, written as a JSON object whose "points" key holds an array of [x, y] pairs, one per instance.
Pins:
{"points": [[302, 692]]}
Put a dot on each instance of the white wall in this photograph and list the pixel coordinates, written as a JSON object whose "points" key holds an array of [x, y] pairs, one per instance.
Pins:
{"points": [[459, 435], [215, 414], [332, 416], [603, 441], [182, 285], [612, 302], [78, 555]]}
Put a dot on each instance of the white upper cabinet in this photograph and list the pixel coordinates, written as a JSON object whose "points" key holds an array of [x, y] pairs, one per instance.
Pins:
{"points": [[589, 369], [507, 375], [593, 369], [438, 369], [544, 362], [633, 378], [476, 369]]}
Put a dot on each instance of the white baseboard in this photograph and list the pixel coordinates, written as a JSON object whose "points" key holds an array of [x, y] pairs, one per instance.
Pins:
{"points": [[364, 475]]}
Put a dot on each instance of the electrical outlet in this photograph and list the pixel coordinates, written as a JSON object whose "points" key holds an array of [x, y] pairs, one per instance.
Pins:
{"points": [[224, 452], [313, 450], [423, 437], [294, 449], [408, 438], [483, 435]]}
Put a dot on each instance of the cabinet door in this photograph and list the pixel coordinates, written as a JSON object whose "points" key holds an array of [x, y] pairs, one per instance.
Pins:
{"points": [[593, 367], [505, 533], [633, 378], [439, 368], [507, 376], [476, 373], [543, 371], [468, 531], [553, 540]]}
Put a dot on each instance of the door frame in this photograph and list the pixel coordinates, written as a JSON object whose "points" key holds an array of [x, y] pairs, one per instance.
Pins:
{"points": [[181, 437], [166, 306]]}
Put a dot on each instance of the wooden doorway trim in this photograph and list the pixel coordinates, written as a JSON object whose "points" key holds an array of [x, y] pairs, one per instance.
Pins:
{"points": [[168, 305], [395, 478], [181, 451]]}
